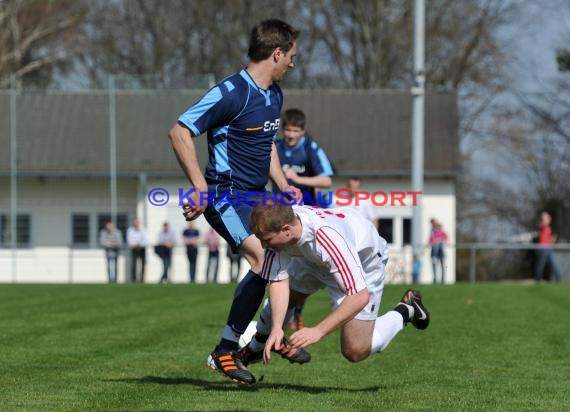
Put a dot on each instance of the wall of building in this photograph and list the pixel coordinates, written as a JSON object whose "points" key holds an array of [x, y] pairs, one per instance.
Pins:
{"points": [[52, 201]]}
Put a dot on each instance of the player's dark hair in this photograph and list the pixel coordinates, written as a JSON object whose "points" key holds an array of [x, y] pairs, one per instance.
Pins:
{"points": [[294, 117], [269, 35]]}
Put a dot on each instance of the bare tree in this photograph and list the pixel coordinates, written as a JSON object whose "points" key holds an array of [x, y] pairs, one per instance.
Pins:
{"points": [[37, 37], [355, 43], [527, 171], [524, 153], [169, 46], [546, 152], [368, 43]]}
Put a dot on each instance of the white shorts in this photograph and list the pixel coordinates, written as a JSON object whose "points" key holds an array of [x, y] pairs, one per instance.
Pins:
{"points": [[307, 278]]}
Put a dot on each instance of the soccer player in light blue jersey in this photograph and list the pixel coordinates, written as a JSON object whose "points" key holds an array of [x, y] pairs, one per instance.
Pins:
{"points": [[304, 162], [240, 115]]}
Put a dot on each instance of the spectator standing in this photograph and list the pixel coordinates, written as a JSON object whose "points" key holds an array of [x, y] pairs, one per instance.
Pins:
{"points": [[137, 241], [166, 241], [364, 206], [416, 269], [111, 240], [212, 240], [437, 240], [191, 238], [545, 254]]}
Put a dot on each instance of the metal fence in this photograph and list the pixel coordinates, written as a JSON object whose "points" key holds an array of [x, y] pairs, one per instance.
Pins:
{"points": [[476, 262], [480, 262]]}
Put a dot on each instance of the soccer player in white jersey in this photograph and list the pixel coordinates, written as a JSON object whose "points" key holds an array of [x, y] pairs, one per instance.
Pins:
{"points": [[310, 248]]}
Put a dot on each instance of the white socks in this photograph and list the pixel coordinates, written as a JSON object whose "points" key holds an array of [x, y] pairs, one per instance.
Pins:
{"points": [[264, 325], [386, 328]]}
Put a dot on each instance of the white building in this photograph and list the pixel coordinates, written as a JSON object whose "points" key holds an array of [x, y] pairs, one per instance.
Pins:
{"points": [[63, 192]]}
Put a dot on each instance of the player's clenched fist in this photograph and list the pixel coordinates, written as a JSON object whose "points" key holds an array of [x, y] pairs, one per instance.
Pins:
{"points": [[193, 211]]}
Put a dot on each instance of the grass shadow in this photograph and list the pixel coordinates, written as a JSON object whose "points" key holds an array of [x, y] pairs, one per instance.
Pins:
{"points": [[226, 385]]}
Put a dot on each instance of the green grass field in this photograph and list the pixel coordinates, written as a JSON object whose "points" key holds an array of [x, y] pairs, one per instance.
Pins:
{"points": [[502, 347]]}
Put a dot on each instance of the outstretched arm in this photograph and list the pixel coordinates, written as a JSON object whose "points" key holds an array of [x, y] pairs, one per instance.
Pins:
{"points": [[341, 257], [346, 311], [279, 301], [312, 181]]}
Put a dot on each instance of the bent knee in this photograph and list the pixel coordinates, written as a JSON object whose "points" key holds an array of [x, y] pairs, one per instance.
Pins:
{"points": [[355, 354], [255, 261], [256, 265]]}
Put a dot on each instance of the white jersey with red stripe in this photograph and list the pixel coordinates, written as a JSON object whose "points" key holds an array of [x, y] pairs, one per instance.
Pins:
{"points": [[339, 247]]}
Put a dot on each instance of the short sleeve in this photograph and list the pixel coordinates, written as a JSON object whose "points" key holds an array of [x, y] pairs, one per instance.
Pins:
{"points": [[275, 266], [215, 109], [320, 163]]}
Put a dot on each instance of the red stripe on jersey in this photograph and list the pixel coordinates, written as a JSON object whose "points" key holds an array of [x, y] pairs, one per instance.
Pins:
{"points": [[267, 263], [339, 261]]}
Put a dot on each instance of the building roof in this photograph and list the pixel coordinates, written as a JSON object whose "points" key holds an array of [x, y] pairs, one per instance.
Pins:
{"points": [[366, 133]]}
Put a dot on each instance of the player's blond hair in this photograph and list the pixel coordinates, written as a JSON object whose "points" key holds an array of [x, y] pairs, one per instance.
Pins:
{"points": [[271, 217]]}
